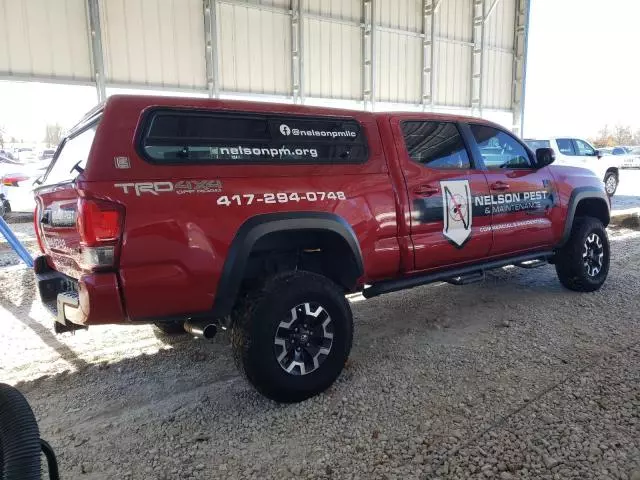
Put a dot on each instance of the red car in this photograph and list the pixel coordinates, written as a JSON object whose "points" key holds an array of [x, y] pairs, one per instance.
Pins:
{"points": [[191, 212]]}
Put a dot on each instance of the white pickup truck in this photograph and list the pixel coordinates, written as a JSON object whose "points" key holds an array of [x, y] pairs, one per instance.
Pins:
{"points": [[576, 152]]}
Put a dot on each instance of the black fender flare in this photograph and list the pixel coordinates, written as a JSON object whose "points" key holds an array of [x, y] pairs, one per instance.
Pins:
{"points": [[257, 227], [577, 195]]}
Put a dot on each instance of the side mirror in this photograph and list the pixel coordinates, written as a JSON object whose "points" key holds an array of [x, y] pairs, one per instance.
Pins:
{"points": [[599, 154], [544, 157]]}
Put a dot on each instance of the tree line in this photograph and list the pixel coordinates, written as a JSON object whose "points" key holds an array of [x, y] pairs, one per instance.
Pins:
{"points": [[54, 133], [618, 135]]}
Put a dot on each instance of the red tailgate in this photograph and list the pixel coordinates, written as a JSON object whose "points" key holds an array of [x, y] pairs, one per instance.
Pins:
{"points": [[56, 217]]}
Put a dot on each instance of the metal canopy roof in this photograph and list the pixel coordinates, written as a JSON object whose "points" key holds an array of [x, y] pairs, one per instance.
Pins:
{"points": [[424, 54]]}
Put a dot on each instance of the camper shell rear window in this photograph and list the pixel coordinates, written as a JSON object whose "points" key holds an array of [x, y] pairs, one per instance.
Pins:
{"points": [[175, 136], [71, 156]]}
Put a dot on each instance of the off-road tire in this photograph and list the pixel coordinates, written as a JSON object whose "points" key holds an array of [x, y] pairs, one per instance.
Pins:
{"points": [[569, 261], [5, 208], [19, 437], [257, 320], [611, 185]]}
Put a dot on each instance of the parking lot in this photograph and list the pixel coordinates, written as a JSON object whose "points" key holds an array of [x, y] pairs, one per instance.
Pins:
{"points": [[628, 193], [511, 378]]}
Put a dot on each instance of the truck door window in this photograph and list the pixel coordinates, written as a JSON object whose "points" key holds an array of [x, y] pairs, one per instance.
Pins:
{"points": [[584, 149], [565, 146], [435, 145], [499, 149]]}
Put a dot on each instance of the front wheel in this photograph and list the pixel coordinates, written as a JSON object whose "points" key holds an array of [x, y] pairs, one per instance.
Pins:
{"points": [[611, 183], [292, 337], [582, 264]]}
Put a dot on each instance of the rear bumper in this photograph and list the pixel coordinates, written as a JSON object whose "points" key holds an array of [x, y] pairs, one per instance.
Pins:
{"points": [[94, 299]]}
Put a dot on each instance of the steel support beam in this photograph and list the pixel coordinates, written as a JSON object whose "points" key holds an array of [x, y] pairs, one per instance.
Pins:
{"points": [[95, 47], [428, 51], [210, 13], [368, 55], [520, 44], [477, 57], [296, 52], [491, 9]]}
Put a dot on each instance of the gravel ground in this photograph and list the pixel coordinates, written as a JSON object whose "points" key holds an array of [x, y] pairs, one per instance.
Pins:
{"points": [[511, 378], [23, 229]]}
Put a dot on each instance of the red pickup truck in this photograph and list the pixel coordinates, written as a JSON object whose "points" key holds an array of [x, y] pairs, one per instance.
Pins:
{"points": [[194, 213]]}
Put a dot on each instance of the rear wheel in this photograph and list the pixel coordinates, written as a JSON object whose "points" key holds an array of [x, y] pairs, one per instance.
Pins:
{"points": [[19, 437], [292, 337], [582, 264], [611, 183], [5, 207]]}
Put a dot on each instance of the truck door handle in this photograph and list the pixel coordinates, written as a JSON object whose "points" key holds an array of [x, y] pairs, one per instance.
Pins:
{"points": [[500, 186], [426, 190]]}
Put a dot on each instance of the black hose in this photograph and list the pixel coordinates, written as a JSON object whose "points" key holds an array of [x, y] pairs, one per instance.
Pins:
{"points": [[19, 437], [52, 463]]}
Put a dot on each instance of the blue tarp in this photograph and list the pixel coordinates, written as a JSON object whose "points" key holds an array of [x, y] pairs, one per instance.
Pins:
{"points": [[15, 243]]}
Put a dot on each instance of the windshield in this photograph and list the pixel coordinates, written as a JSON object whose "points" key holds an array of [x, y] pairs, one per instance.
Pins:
{"points": [[74, 151], [536, 144]]}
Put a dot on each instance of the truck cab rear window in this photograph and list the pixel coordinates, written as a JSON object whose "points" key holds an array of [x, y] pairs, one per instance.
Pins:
{"points": [[175, 137]]}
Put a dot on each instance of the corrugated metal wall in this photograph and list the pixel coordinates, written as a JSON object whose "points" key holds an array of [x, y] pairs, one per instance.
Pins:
{"points": [[332, 48], [398, 48], [498, 56], [162, 44], [41, 38], [453, 28], [154, 42], [254, 48]]}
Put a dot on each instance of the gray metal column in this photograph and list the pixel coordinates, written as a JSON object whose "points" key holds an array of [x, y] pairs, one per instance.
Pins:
{"points": [[428, 51], [477, 57], [97, 56], [210, 14], [296, 52], [520, 64], [368, 55]]}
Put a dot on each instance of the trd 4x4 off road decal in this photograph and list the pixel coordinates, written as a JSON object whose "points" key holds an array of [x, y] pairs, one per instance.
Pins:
{"points": [[181, 187], [457, 211]]}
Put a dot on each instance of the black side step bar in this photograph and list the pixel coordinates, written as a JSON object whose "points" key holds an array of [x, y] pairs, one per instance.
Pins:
{"points": [[467, 279], [388, 286], [531, 264]]}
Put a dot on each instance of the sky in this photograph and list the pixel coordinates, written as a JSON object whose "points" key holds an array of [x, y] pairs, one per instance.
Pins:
{"points": [[582, 73], [582, 67]]}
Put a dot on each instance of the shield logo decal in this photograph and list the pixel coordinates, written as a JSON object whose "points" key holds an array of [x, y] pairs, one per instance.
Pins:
{"points": [[457, 211]]}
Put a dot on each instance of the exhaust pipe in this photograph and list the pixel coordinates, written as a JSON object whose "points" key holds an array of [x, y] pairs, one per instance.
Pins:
{"points": [[204, 329]]}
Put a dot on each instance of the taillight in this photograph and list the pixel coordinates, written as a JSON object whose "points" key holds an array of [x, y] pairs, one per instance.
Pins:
{"points": [[36, 227], [100, 228], [12, 180]]}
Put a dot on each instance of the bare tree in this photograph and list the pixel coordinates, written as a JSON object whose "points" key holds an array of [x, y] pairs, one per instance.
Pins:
{"points": [[622, 135], [54, 133], [2, 130], [604, 138]]}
